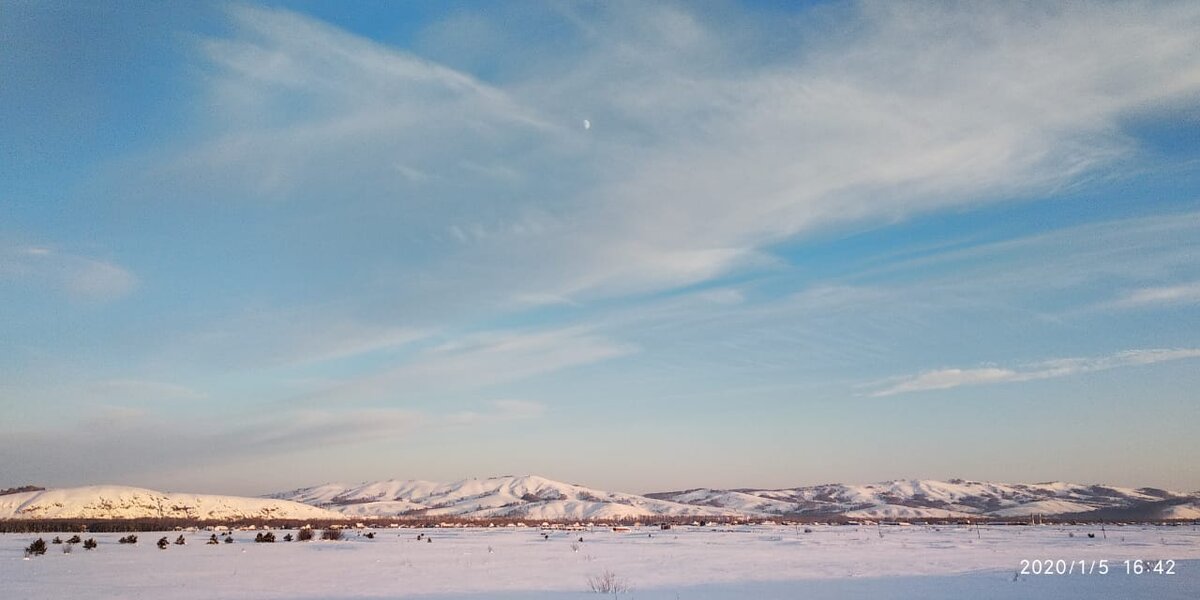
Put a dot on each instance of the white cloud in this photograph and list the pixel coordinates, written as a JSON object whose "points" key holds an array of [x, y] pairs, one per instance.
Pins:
{"points": [[943, 379], [80, 277], [708, 155], [479, 361], [118, 391], [500, 410], [113, 444], [280, 337], [1187, 293]]}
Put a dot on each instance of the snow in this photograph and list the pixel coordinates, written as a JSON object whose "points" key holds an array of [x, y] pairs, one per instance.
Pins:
{"points": [[538, 498], [924, 498], [1183, 511], [124, 502], [685, 562], [527, 497]]}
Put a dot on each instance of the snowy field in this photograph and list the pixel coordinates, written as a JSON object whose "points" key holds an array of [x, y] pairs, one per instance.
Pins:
{"points": [[685, 563]]}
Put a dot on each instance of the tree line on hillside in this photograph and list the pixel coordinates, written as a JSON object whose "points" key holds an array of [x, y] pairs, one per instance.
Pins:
{"points": [[21, 489]]}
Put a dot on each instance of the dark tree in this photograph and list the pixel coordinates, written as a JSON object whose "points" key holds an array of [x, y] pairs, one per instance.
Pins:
{"points": [[90, 544], [37, 548]]}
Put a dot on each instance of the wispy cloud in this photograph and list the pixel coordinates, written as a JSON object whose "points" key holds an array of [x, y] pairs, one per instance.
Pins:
{"points": [[1187, 293], [120, 391], [499, 410], [696, 171], [280, 337], [479, 361], [80, 277], [943, 379], [115, 444]]}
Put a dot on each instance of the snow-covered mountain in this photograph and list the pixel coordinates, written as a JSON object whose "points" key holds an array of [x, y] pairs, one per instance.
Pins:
{"points": [[524, 497], [123, 502], [921, 498], [537, 498], [532, 497]]}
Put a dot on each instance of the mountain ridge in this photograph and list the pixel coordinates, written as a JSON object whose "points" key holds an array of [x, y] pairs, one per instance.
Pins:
{"points": [[531, 497], [128, 502], [535, 497]]}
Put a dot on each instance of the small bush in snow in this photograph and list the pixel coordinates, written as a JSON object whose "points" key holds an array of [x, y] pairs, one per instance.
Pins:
{"points": [[56, 540], [305, 535], [179, 541], [129, 539], [37, 548], [163, 543], [331, 534], [267, 537], [607, 583], [90, 544], [212, 539], [287, 537]]}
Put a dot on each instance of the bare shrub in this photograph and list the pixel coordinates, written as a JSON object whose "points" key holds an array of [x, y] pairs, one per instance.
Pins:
{"points": [[331, 534], [89, 544], [607, 583], [305, 535]]}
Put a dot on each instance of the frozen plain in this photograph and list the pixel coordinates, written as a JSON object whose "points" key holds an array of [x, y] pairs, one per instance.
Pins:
{"points": [[684, 563]]}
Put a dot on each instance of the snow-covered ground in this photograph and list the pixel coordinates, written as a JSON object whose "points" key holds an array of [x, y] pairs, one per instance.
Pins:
{"points": [[696, 563]]}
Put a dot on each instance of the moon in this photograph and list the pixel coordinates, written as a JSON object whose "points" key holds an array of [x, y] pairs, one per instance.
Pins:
{"points": [[587, 124]]}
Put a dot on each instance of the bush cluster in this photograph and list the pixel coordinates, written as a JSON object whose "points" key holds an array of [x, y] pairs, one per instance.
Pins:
{"points": [[37, 548]]}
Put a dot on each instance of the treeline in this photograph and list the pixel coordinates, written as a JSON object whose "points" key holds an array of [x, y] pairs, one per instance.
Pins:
{"points": [[128, 525], [18, 490], [132, 525]]}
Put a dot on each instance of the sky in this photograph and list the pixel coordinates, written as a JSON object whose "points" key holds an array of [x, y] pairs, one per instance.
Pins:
{"points": [[248, 247]]}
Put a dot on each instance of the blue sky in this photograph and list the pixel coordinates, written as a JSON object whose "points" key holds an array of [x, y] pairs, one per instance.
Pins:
{"points": [[246, 247]]}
